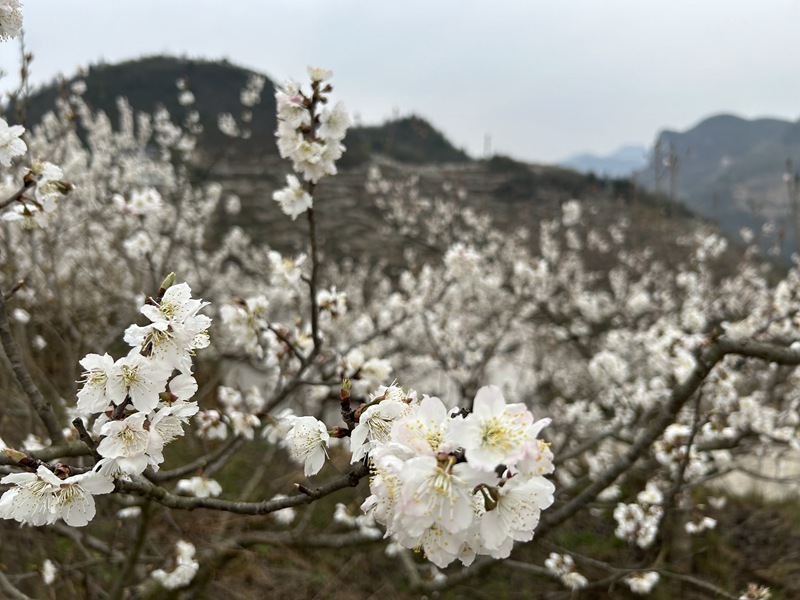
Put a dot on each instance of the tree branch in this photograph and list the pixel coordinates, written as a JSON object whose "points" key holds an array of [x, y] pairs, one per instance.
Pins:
{"points": [[142, 487], [50, 453]]}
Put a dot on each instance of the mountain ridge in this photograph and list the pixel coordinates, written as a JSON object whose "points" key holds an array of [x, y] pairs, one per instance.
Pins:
{"points": [[623, 162], [731, 169], [151, 81]]}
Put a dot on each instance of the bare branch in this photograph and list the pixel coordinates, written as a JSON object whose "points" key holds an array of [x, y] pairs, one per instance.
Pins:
{"points": [[81, 537], [133, 558], [701, 583], [51, 453], [77, 423], [142, 487]]}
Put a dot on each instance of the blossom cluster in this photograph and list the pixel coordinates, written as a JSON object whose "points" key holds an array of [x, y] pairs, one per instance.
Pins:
{"points": [[138, 407], [11, 143], [44, 181], [143, 404], [186, 568], [453, 484], [309, 134], [638, 522], [642, 582], [41, 498], [563, 567], [10, 19]]}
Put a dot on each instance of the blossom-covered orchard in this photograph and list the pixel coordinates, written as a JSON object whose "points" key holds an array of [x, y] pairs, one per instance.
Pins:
{"points": [[503, 388]]}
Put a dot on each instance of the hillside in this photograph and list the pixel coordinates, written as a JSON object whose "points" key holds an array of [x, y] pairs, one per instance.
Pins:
{"points": [[515, 194], [730, 169]]}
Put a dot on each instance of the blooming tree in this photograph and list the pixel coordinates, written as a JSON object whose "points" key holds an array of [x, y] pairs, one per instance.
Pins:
{"points": [[500, 388]]}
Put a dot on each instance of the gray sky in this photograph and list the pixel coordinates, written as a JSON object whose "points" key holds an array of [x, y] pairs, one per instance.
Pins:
{"points": [[545, 78]]}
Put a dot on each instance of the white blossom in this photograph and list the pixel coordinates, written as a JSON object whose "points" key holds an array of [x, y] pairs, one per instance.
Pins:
{"points": [[642, 582], [186, 568], [227, 125], [131, 444], [42, 498], [200, 487], [495, 432], [49, 571], [306, 442], [294, 200], [284, 516]]}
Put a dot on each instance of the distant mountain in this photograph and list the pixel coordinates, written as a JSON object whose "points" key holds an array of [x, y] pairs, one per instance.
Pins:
{"points": [[408, 139], [622, 163], [152, 81], [730, 169]]}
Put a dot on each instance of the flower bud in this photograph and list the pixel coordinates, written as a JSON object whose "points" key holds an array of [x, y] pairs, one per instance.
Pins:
{"points": [[168, 281]]}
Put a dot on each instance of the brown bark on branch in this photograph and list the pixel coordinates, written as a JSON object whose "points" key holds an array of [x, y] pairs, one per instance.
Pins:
{"points": [[144, 488]]}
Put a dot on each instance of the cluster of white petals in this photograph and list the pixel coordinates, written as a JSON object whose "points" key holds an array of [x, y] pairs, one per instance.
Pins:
{"points": [[293, 199], [34, 209], [284, 516], [756, 592], [200, 487], [307, 442], [642, 582], [10, 19], [309, 134], [148, 401], [364, 524], [176, 330], [638, 522], [138, 407], [49, 571], [42, 498], [11, 144], [251, 93], [186, 568], [450, 485], [563, 567]]}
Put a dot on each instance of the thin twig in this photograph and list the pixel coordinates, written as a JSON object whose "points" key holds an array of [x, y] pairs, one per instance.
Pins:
{"points": [[288, 342], [17, 287], [50, 453], [77, 423]]}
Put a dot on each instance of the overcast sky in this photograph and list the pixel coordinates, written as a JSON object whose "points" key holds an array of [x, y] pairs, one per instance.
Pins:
{"points": [[544, 78]]}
